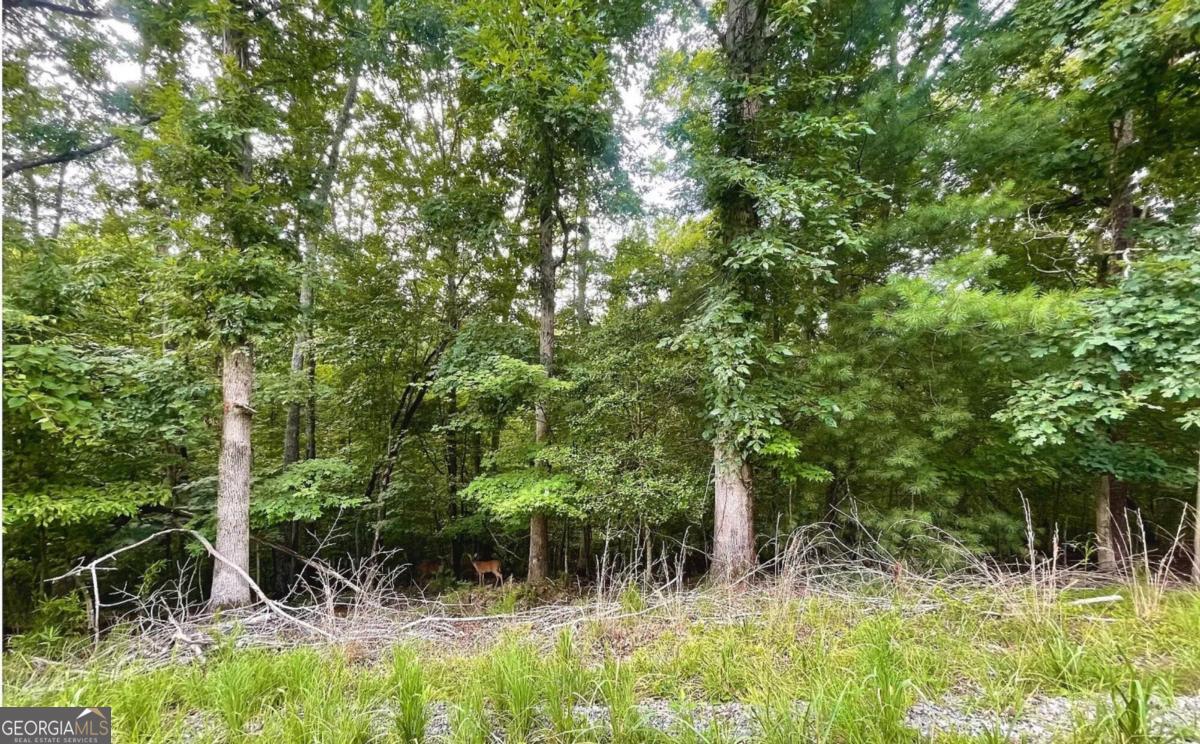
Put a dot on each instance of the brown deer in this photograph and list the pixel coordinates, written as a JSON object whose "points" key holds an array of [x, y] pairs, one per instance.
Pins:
{"points": [[483, 568], [426, 570]]}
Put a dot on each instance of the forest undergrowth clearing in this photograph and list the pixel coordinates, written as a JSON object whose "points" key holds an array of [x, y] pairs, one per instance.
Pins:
{"points": [[841, 655]]}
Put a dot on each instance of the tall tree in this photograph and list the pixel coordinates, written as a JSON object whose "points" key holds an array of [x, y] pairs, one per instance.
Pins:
{"points": [[780, 181], [222, 208], [548, 65]]}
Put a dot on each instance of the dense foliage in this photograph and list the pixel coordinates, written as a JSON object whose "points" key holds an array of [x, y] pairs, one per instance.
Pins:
{"points": [[508, 266]]}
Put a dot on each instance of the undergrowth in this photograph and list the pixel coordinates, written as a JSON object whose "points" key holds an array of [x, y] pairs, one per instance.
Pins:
{"points": [[832, 668]]}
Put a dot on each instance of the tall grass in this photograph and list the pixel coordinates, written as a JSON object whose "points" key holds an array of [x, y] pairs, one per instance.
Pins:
{"points": [[564, 680], [617, 691], [408, 686], [515, 689], [468, 717]]}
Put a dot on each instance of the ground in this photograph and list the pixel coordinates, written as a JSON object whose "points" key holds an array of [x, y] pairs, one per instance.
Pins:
{"points": [[840, 657]]}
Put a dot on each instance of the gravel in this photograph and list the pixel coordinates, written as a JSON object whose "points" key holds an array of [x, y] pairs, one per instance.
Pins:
{"points": [[1039, 721]]}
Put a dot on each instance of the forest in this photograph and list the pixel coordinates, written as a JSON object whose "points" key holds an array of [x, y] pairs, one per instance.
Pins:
{"points": [[330, 311]]}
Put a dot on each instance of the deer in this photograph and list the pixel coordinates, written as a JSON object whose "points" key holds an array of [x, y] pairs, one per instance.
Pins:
{"points": [[427, 568], [483, 568]]}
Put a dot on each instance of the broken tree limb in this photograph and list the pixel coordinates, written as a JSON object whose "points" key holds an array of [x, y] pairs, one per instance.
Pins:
{"points": [[272, 605], [311, 563], [1095, 600]]}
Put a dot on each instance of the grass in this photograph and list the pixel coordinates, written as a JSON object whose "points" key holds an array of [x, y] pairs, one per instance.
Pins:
{"points": [[856, 662]]}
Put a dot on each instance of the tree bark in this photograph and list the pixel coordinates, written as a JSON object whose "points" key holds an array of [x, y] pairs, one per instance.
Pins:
{"points": [[58, 201], [539, 548], [291, 430], [547, 266], [310, 451], [1196, 530], [744, 46], [583, 257], [1112, 259], [733, 515], [229, 589], [31, 200], [1106, 557], [583, 566]]}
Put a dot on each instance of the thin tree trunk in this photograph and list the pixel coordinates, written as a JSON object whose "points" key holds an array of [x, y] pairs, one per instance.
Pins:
{"points": [[1196, 531], [312, 227], [311, 446], [583, 258], [58, 201], [547, 266], [1106, 557], [31, 199], [584, 564], [291, 429], [229, 589], [452, 457], [1113, 259]]}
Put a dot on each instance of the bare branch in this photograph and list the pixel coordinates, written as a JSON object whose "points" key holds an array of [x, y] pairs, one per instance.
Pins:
{"points": [[271, 604], [16, 166], [84, 12]]}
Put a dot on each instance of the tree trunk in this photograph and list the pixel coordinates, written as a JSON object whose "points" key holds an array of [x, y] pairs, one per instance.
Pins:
{"points": [[291, 429], [744, 46], [1106, 558], [31, 199], [229, 589], [312, 221], [58, 201], [539, 548], [1112, 259], [1196, 531], [583, 257], [311, 448], [733, 515], [539, 561], [583, 566], [452, 457], [233, 486]]}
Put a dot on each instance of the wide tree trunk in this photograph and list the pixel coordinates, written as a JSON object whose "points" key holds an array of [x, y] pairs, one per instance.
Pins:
{"points": [[233, 486], [733, 515], [539, 548], [1106, 556], [229, 588], [744, 46]]}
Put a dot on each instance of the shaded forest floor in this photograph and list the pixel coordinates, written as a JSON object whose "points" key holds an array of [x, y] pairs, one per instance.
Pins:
{"points": [[838, 655]]}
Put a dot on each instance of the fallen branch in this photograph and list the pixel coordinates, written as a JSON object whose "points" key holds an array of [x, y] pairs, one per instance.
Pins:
{"points": [[310, 562], [1095, 600], [271, 604]]}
